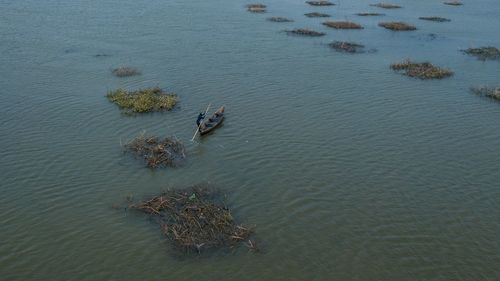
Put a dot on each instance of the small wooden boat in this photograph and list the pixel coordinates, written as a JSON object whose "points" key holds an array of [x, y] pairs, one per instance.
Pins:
{"points": [[211, 123]]}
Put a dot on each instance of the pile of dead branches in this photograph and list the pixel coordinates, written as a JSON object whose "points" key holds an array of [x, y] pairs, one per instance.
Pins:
{"points": [[157, 152]]}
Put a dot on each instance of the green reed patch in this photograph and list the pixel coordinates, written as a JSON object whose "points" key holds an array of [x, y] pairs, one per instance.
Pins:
{"points": [[423, 70], [347, 47], [484, 53], [143, 100]]}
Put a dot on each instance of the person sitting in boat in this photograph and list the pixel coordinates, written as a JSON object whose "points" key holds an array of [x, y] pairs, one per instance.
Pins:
{"points": [[201, 116]]}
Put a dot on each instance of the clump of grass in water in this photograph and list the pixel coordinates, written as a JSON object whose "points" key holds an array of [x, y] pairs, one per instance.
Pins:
{"points": [[125, 71], [144, 100], [256, 8], [386, 6], [484, 53], [424, 70], [196, 219], [342, 25], [305, 32], [348, 47], [320, 3], [492, 93], [397, 26], [279, 19], [157, 152], [316, 15], [437, 19], [369, 14], [453, 3]]}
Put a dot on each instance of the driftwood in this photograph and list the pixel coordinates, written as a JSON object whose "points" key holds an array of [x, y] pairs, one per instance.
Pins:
{"points": [[156, 152], [423, 70]]}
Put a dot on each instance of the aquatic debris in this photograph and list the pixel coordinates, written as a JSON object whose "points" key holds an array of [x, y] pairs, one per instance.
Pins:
{"points": [[386, 6], [279, 19], [143, 100], [484, 53], [453, 3], [316, 15], [256, 8], [196, 219], [397, 26], [348, 47], [437, 19], [369, 14], [156, 152], [125, 71], [492, 93], [320, 3], [342, 25], [424, 70], [305, 32]]}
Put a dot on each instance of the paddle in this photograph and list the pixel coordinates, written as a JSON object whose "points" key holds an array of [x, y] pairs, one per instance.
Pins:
{"points": [[198, 128]]}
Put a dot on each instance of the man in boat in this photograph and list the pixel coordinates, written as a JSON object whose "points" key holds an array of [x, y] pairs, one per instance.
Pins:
{"points": [[200, 118]]}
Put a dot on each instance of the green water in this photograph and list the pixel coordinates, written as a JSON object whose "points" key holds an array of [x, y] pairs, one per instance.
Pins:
{"points": [[349, 171]]}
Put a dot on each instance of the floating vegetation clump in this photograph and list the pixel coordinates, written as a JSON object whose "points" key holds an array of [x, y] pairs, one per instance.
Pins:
{"points": [[437, 19], [369, 14], [256, 8], [125, 71], [144, 100], [279, 19], [492, 93], [305, 32], [484, 53], [397, 26], [386, 6], [342, 25], [453, 3], [320, 3], [424, 70], [347, 47], [316, 15], [196, 220], [156, 152]]}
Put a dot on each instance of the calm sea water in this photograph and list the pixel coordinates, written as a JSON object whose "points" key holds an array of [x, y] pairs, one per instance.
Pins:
{"points": [[349, 171]]}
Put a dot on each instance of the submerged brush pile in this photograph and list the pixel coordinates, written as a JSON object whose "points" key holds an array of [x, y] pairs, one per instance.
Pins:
{"points": [[348, 47], [144, 100], [320, 3], [125, 71], [279, 19], [437, 19], [256, 8], [316, 15], [453, 3], [492, 93], [369, 14], [385, 6], [484, 53], [305, 32], [342, 25], [157, 152], [397, 26], [194, 219], [424, 70]]}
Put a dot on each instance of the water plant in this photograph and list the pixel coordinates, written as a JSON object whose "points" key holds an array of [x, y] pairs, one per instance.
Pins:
{"points": [[492, 93], [369, 14], [157, 152], [342, 25], [320, 3], [125, 71], [423, 70], [196, 219], [305, 32], [316, 15], [143, 100], [386, 6], [453, 3], [437, 19], [279, 19], [256, 8], [347, 47], [484, 53], [397, 26]]}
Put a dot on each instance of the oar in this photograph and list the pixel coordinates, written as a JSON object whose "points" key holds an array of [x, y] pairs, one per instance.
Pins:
{"points": [[198, 128]]}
